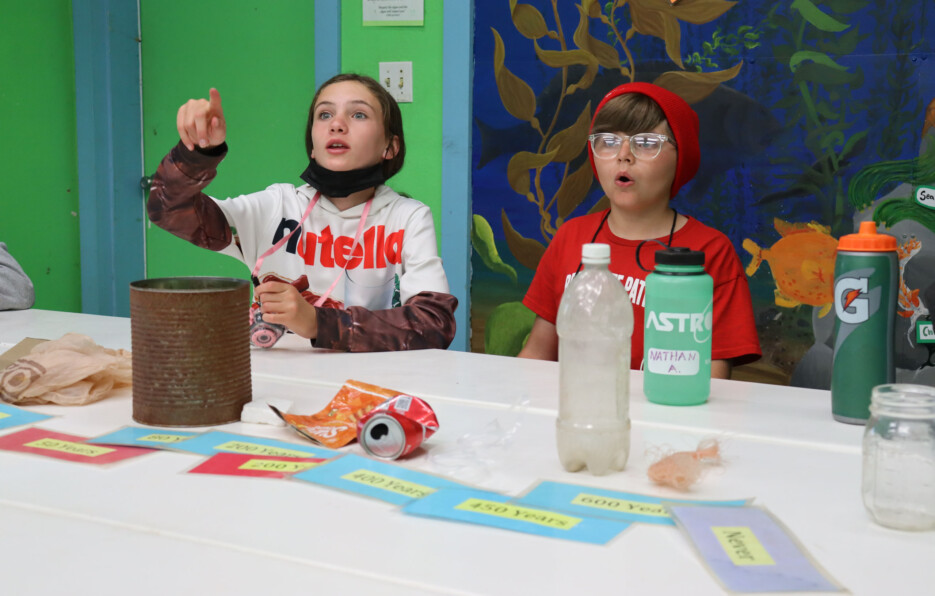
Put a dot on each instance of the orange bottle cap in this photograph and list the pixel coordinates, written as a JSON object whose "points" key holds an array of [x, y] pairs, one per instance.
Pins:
{"points": [[867, 240]]}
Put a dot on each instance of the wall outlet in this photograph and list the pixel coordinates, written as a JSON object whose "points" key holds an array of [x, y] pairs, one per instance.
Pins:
{"points": [[396, 77]]}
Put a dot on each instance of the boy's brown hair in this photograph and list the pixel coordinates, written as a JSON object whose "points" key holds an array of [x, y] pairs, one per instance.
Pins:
{"points": [[630, 114], [392, 118]]}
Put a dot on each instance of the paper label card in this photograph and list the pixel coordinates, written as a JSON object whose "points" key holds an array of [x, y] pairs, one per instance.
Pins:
{"points": [[213, 442], [376, 479], [495, 510], [749, 550], [135, 436], [68, 447], [257, 466], [11, 416], [610, 504]]}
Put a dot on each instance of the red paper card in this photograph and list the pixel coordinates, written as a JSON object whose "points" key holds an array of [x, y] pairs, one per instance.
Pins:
{"points": [[260, 466], [68, 447]]}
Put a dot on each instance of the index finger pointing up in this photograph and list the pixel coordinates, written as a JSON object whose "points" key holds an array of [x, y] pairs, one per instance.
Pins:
{"points": [[215, 97]]}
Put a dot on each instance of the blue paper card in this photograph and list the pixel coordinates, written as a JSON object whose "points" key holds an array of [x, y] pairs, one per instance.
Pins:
{"points": [[491, 509], [610, 504], [136, 436], [11, 416], [376, 479], [749, 550], [213, 442]]}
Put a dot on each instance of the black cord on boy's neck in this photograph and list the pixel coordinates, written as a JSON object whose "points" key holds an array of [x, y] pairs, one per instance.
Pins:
{"points": [[675, 216]]}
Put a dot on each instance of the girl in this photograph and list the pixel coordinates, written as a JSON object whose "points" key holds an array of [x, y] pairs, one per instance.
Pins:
{"points": [[351, 236]]}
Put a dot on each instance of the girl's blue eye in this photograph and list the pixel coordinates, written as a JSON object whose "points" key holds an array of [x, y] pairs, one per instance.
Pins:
{"points": [[359, 115], [324, 116]]}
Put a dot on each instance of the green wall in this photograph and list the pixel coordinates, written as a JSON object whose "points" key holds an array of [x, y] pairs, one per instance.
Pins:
{"points": [[39, 196], [363, 48], [260, 56]]}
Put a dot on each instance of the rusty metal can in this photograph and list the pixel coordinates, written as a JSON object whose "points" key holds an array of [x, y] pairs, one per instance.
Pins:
{"points": [[396, 427]]}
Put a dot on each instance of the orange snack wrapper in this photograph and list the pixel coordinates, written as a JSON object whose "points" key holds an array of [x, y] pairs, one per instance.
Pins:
{"points": [[336, 425]]}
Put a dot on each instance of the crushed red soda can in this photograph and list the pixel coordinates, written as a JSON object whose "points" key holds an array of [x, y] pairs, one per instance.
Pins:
{"points": [[396, 427]]}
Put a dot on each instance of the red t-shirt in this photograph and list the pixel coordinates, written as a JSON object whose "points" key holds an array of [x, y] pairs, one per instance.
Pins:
{"points": [[734, 336]]}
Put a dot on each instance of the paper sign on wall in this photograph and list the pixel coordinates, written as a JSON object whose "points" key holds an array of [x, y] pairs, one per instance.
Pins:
{"points": [[393, 13]]}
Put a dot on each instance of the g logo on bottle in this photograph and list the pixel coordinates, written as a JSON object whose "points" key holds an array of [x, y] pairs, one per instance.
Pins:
{"points": [[850, 299]]}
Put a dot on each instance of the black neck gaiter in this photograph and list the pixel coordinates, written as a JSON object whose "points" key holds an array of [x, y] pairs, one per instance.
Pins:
{"points": [[341, 184]]}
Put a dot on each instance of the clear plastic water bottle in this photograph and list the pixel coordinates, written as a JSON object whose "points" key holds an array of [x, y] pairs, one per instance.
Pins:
{"points": [[595, 322]]}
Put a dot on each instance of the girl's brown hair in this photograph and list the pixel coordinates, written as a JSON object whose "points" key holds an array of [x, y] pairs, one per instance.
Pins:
{"points": [[630, 113], [392, 118]]}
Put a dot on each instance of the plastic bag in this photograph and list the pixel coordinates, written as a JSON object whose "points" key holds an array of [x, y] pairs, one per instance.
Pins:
{"points": [[336, 425], [70, 371], [682, 469]]}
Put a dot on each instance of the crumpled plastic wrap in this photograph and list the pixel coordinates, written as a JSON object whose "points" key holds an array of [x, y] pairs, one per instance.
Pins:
{"points": [[682, 469], [70, 371]]}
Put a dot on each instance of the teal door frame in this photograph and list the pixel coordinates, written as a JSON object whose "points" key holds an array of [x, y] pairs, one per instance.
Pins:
{"points": [[110, 152]]}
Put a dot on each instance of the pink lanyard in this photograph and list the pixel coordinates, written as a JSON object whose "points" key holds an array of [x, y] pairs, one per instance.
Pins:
{"points": [[308, 210]]}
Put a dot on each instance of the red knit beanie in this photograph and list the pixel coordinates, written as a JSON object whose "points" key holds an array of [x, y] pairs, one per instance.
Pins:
{"points": [[682, 120]]}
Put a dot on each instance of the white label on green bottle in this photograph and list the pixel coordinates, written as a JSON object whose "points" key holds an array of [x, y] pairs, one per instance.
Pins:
{"points": [[925, 333], [673, 362]]}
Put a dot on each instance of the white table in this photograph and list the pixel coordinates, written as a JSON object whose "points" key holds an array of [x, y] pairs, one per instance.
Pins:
{"points": [[146, 527]]}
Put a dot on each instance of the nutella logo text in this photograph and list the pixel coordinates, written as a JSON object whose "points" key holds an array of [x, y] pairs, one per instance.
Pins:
{"points": [[375, 250]]}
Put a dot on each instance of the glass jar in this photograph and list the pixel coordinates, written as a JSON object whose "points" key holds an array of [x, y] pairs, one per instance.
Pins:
{"points": [[899, 457]]}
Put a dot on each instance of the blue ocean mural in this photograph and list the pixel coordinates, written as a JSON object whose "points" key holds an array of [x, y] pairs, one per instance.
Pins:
{"points": [[815, 115]]}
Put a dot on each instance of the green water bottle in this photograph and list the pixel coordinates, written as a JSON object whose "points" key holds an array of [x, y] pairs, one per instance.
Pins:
{"points": [[677, 329], [866, 279]]}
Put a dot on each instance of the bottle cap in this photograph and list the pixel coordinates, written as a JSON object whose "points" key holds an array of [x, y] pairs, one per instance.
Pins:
{"points": [[679, 255], [595, 254], [867, 240]]}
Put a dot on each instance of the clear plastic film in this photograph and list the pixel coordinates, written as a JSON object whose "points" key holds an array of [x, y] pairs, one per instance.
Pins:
{"points": [[470, 458]]}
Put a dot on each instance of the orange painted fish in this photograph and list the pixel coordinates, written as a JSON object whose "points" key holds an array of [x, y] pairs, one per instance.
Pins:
{"points": [[802, 263], [929, 118]]}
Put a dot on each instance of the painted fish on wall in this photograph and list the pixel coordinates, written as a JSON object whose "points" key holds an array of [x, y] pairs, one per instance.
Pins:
{"points": [[802, 264]]}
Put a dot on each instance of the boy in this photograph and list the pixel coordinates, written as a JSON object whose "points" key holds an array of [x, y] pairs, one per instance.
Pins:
{"points": [[643, 149]]}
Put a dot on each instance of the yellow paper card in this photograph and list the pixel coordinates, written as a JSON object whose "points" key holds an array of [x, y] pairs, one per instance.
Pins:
{"points": [[377, 480], [269, 465], [256, 449], [70, 447], [163, 438], [742, 545], [620, 505], [526, 514]]}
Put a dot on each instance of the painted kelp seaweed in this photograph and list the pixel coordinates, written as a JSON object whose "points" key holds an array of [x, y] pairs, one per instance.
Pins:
{"points": [[822, 102]]}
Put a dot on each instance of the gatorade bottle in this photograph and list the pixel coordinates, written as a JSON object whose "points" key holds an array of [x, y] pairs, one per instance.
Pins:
{"points": [[594, 324], [677, 329], [866, 278]]}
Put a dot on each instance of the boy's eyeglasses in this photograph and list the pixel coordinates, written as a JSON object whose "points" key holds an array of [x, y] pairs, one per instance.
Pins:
{"points": [[645, 145]]}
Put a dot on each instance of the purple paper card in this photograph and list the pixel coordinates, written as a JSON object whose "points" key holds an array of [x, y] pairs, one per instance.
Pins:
{"points": [[749, 550]]}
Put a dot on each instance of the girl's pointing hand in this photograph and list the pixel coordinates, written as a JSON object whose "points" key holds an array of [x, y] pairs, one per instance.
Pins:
{"points": [[201, 122]]}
